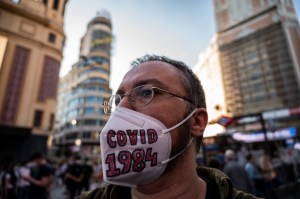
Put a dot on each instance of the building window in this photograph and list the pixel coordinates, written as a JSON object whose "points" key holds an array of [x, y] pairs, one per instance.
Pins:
{"points": [[14, 86], [50, 77], [51, 38], [38, 117], [55, 4]]}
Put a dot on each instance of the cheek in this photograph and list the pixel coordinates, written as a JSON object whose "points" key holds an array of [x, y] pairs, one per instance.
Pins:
{"points": [[171, 112], [180, 138]]}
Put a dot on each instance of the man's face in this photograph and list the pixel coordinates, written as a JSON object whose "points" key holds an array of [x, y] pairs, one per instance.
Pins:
{"points": [[168, 109]]}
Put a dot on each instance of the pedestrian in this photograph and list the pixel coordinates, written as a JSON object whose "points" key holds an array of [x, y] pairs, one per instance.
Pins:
{"points": [[150, 143], [98, 175], [255, 175], [87, 174], [39, 177], [290, 163], [60, 172], [50, 165], [23, 185], [236, 172], [9, 181], [74, 176], [269, 175], [213, 162]]}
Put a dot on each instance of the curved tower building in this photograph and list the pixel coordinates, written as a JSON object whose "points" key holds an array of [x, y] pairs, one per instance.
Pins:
{"points": [[80, 114]]}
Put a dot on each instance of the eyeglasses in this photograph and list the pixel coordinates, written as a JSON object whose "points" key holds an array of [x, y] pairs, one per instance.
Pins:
{"points": [[139, 96]]}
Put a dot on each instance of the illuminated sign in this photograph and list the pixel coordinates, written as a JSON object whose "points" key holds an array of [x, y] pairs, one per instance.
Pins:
{"points": [[101, 41], [260, 137], [225, 120]]}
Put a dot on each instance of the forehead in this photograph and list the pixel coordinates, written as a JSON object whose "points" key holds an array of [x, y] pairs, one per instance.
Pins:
{"points": [[153, 72]]}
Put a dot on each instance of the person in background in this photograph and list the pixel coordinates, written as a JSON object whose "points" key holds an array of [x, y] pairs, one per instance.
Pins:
{"points": [[236, 172], [291, 162], [98, 175], [214, 163], [74, 176], [39, 177], [23, 185], [9, 181], [60, 172], [269, 175], [52, 170], [255, 175], [87, 174], [150, 143]]}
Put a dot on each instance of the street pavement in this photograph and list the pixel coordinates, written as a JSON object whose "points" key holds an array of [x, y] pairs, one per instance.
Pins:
{"points": [[58, 192]]}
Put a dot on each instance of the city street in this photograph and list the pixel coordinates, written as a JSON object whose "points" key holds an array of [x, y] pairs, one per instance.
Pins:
{"points": [[193, 100], [58, 192]]}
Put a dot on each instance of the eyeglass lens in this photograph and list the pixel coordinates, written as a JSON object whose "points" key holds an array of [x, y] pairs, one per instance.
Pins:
{"points": [[139, 96], [111, 103]]}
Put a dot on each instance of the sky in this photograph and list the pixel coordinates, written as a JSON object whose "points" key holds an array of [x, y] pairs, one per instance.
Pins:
{"points": [[175, 28]]}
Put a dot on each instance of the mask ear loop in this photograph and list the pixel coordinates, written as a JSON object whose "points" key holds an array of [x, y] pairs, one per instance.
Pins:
{"points": [[175, 156], [180, 123]]}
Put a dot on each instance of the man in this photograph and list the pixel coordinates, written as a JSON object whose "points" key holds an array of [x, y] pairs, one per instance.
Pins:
{"points": [[290, 161], [74, 176], [150, 143], [87, 174], [39, 177], [8, 180], [22, 184], [236, 172], [255, 175]]}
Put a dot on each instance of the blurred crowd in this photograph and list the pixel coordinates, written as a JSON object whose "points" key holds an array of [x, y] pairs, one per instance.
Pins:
{"points": [[260, 174], [256, 173], [36, 176]]}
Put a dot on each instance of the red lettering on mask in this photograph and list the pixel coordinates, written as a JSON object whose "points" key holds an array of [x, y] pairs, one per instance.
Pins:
{"points": [[135, 161], [151, 157], [142, 135], [132, 134], [152, 136], [110, 142], [121, 138], [138, 156], [111, 161], [124, 158]]}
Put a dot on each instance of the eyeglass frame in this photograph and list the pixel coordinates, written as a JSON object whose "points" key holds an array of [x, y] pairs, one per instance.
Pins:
{"points": [[131, 99]]}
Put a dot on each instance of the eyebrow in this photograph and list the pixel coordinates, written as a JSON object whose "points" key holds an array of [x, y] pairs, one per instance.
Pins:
{"points": [[152, 81]]}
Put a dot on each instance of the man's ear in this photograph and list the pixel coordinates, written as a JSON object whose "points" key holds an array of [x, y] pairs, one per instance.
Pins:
{"points": [[199, 122]]}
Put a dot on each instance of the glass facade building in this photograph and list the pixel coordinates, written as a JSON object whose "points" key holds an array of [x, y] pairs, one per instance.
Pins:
{"points": [[258, 43], [259, 47], [80, 115]]}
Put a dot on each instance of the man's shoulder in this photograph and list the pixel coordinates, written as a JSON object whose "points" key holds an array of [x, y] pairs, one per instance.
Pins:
{"points": [[109, 192], [218, 181], [222, 183], [94, 194]]}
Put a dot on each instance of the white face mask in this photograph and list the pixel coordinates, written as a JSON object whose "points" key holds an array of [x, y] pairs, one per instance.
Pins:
{"points": [[135, 148]]}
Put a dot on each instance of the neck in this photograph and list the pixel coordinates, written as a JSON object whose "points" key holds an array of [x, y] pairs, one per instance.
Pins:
{"points": [[180, 182]]}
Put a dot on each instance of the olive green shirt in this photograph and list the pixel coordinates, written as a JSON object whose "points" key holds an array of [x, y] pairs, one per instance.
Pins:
{"points": [[218, 186]]}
